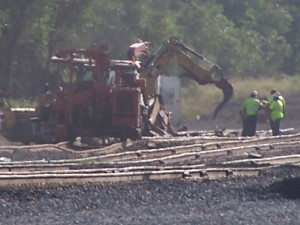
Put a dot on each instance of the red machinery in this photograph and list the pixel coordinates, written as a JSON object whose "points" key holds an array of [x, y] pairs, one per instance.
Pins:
{"points": [[95, 96]]}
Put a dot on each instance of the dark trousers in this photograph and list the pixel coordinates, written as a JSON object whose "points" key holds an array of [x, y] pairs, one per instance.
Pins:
{"points": [[249, 126], [275, 126]]}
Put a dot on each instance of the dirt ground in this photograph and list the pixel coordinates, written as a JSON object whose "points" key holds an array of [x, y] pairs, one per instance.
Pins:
{"points": [[229, 118]]}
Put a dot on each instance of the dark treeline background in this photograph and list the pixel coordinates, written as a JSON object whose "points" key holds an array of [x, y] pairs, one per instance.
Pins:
{"points": [[246, 38]]}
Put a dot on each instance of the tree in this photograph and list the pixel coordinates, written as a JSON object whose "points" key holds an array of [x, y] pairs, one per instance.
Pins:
{"points": [[248, 38], [263, 25], [13, 18]]}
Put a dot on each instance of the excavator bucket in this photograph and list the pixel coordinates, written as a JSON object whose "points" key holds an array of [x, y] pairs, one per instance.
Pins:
{"points": [[227, 90]]}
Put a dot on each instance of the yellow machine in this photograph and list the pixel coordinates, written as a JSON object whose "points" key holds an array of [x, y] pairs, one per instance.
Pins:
{"points": [[197, 67]]}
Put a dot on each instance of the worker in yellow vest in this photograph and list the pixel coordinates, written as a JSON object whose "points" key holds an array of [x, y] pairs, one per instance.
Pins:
{"points": [[277, 113], [248, 112], [270, 98]]}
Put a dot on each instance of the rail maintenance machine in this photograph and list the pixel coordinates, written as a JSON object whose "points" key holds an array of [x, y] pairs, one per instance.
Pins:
{"points": [[96, 96]]}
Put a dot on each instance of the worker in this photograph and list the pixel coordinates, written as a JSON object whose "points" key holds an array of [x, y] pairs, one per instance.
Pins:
{"points": [[270, 98], [277, 113], [248, 112], [43, 108]]}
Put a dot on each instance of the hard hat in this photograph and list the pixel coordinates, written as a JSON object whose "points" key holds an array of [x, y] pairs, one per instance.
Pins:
{"points": [[276, 94], [253, 93]]}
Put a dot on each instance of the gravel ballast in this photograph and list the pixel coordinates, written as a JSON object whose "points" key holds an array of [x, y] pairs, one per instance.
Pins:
{"points": [[264, 200]]}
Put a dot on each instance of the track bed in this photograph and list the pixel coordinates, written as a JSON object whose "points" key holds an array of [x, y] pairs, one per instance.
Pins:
{"points": [[197, 178]]}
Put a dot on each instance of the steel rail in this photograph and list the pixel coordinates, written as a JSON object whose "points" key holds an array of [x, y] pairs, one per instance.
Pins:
{"points": [[161, 159], [161, 154], [72, 177], [168, 155], [277, 160], [219, 140], [153, 142]]}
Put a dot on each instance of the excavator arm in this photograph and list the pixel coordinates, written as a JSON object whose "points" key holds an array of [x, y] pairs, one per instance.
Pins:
{"points": [[197, 67]]}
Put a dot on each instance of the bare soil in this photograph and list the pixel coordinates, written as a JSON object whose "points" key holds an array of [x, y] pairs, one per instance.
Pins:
{"points": [[229, 118]]}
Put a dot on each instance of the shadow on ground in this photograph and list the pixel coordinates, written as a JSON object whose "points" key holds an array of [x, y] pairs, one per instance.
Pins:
{"points": [[288, 188]]}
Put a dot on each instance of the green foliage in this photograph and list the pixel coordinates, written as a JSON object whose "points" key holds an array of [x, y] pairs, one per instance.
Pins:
{"points": [[199, 101], [258, 38], [20, 103]]}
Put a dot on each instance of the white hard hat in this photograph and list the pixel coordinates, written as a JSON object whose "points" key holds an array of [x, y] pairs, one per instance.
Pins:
{"points": [[253, 93]]}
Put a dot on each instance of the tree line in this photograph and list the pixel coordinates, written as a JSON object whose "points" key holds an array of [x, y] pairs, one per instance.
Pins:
{"points": [[246, 38]]}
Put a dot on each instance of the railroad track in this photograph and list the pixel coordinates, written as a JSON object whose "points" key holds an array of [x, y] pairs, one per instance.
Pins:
{"points": [[185, 157]]}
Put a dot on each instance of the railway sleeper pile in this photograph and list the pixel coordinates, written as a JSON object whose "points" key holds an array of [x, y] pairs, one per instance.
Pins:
{"points": [[184, 157]]}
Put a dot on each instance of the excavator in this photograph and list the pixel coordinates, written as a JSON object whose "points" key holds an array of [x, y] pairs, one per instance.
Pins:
{"points": [[96, 96], [196, 67]]}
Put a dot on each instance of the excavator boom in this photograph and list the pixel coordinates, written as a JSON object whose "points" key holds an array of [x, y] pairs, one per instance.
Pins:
{"points": [[197, 67]]}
